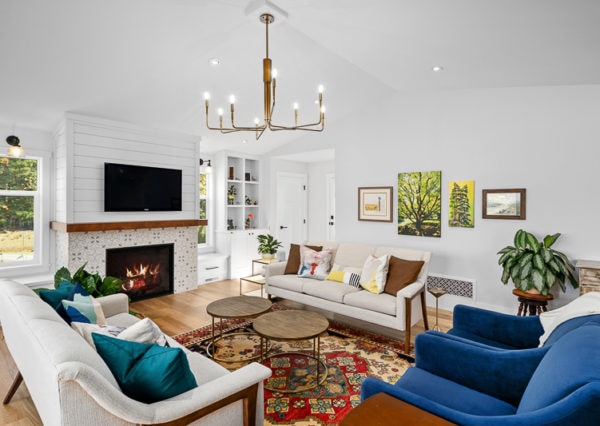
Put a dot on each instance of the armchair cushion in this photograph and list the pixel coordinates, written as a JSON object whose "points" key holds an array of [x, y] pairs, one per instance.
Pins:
{"points": [[478, 367], [452, 395]]}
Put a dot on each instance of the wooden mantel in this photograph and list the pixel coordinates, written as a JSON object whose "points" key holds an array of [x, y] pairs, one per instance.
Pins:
{"points": [[120, 226]]}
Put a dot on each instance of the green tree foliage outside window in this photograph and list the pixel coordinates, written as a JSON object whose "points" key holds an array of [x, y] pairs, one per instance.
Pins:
{"points": [[18, 188], [203, 191]]}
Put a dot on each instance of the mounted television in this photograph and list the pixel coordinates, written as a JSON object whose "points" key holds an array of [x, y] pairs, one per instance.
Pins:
{"points": [[130, 188]]}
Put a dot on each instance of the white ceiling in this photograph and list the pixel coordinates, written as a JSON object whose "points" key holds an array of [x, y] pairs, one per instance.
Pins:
{"points": [[146, 61]]}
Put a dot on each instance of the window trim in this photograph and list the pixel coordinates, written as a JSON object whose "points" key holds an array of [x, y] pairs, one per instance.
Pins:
{"points": [[43, 199]]}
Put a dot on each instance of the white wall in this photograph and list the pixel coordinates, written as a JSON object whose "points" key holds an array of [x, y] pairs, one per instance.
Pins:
{"points": [[546, 140], [84, 144]]}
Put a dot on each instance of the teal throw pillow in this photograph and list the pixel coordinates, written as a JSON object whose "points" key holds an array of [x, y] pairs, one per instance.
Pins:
{"points": [[81, 309], [146, 372], [55, 297]]}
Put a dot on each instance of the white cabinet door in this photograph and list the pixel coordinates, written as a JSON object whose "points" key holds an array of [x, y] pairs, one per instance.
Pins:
{"points": [[242, 246]]}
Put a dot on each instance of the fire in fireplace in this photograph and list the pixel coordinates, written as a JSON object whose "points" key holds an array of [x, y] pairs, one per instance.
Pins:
{"points": [[146, 271]]}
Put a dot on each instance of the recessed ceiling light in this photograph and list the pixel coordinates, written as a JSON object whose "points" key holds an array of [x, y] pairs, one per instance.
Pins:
{"points": [[214, 61], [437, 69]]}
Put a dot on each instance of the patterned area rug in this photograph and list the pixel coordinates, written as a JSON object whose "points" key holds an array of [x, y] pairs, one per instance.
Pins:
{"points": [[350, 356]]}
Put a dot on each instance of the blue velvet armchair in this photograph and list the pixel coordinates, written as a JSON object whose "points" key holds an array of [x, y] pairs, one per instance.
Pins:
{"points": [[470, 383]]}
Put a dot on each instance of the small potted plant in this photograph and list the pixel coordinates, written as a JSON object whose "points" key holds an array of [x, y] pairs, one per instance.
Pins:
{"points": [[533, 266], [231, 193], [267, 246]]}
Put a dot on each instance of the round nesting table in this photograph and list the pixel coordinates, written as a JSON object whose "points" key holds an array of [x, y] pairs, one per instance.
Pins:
{"points": [[291, 325], [234, 307]]}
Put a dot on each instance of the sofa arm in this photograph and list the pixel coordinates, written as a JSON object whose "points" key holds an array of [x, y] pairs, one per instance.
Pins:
{"points": [[477, 367], [111, 399], [277, 268], [114, 304], [510, 330], [411, 290]]}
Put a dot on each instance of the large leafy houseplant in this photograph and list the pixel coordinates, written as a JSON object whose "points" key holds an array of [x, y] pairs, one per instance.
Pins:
{"points": [[267, 244], [92, 283], [533, 264]]}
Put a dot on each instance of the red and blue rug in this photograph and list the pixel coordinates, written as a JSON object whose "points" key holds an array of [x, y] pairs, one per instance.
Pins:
{"points": [[350, 356]]}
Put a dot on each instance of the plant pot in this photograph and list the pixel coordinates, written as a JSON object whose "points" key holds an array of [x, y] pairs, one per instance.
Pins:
{"points": [[533, 291], [268, 257]]}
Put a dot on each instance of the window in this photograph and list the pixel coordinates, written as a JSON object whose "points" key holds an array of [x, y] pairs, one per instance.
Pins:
{"points": [[20, 211], [203, 212]]}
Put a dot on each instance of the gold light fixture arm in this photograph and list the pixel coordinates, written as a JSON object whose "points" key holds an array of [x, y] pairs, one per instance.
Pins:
{"points": [[269, 86]]}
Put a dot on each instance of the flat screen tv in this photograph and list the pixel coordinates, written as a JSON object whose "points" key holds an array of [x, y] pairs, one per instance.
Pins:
{"points": [[130, 188]]}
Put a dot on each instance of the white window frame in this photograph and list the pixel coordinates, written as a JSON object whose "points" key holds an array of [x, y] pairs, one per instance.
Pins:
{"points": [[41, 234]]}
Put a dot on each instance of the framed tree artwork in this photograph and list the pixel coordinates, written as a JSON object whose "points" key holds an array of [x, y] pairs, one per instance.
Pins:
{"points": [[504, 203], [461, 204], [420, 204], [375, 203]]}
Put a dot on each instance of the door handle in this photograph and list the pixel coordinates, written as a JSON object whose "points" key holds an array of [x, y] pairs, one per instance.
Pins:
{"points": [[282, 227]]}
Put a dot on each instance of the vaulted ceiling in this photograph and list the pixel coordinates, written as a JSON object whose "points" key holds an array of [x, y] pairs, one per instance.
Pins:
{"points": [[147, 61]]}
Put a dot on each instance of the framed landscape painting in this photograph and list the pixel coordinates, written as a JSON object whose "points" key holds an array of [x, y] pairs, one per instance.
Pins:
{"points": [[461, 204], [504, 203], [420, 204], [375, 203]]}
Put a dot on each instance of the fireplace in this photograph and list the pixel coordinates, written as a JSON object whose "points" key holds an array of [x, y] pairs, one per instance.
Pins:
{"points": [[146, 271]]}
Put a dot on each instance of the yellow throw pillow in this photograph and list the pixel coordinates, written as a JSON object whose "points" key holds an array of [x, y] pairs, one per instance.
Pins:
{"points": [[344, 277]]}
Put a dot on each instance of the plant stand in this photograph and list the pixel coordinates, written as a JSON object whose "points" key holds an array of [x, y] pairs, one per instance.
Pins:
{"points": [[533, 303]]}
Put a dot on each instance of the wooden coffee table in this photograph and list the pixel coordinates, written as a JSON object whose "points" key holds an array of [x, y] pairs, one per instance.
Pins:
{"points": [[291, 325], [234, 307], [383, 410]]}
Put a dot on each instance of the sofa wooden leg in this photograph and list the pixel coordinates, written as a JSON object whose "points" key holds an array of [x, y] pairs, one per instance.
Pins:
{"points": [[424, 311], [13, 388], [407, 323]]}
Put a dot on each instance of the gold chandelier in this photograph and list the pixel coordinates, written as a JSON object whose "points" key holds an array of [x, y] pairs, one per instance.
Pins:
{"points": [[269, 82]]}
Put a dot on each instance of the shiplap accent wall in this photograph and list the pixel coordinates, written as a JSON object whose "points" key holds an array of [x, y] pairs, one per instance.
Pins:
{"points": [[84, 144]]}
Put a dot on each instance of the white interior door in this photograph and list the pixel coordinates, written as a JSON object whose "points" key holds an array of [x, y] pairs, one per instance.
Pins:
{"points": [[330, 185], [292, 209]]}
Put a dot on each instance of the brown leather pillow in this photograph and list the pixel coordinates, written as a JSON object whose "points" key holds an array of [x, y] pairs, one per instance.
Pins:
{"points": [[401, 273], [293, 262]]}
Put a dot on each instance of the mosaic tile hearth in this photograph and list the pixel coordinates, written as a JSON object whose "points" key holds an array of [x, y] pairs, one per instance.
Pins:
{"points": [[76, 248]]}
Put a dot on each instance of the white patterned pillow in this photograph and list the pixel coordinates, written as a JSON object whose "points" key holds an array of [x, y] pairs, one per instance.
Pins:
{"points": [[374, 273], [314, 264]]}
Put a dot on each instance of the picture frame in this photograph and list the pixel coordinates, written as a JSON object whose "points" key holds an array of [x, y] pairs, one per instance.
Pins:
{"points": [[504, 203], [375, 203]]}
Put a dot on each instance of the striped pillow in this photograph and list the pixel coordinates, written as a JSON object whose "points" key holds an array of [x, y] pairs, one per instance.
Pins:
{"points": [[349, 278]]}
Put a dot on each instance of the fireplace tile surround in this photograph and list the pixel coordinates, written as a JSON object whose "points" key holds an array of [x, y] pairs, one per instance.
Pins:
{"points": [[73, 249]]}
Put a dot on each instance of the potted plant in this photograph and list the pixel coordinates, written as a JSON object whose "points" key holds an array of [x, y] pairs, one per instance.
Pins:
{"points": [[92, 283], [267, 246], [533, 265], [231, 193]]}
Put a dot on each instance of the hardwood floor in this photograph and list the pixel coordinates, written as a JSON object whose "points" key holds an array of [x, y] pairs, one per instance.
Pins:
{"points": [[174, 314]]}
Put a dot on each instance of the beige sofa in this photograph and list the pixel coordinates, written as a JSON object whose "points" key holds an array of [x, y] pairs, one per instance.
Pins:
{"points": [[70, 384], [401, 311]]}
